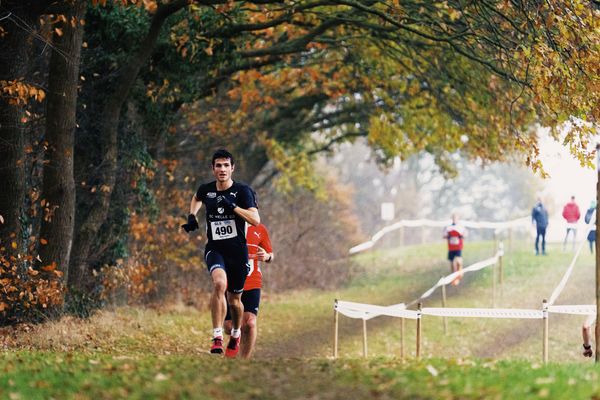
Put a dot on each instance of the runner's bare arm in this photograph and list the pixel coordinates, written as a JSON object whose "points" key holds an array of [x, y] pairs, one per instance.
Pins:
{"points": [[249, 215]]}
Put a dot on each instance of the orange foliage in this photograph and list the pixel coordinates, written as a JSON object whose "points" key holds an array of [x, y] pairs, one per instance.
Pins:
{"points": [[20, 93], [26, 290], [165, 264]]}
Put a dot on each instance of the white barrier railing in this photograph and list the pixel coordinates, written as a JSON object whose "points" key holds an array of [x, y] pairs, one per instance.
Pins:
{"points": [[561, 285], [446, 280], [368, 311], [524, 222]]}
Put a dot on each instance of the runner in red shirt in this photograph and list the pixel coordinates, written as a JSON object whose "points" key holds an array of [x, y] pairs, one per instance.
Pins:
{"points": [[259, 249], [455, 233]]}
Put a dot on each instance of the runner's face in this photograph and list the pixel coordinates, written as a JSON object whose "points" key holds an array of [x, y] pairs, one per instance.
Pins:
{"points": [[222, 169]]}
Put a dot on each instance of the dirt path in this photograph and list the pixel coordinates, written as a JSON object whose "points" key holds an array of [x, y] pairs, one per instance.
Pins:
{"points": [[579, 290], [314, 338]]}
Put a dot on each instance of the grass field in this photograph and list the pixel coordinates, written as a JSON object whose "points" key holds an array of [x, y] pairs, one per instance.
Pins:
{"points": [[150, 353]]}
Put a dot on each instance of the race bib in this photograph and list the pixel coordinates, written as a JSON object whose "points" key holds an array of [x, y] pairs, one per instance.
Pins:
{"points": [[454, 240], [223, 229]]}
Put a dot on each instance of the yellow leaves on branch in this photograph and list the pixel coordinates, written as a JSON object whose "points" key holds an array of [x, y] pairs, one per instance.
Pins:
{"points": [[19, 92], [295, 170], [564, 73], [149, 5]]}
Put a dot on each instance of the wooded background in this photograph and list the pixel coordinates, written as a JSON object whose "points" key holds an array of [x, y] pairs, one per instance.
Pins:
{"points": [[109, 111]]}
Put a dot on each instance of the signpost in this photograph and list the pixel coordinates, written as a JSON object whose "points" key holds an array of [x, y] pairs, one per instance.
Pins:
{"points": [[387, 211]]}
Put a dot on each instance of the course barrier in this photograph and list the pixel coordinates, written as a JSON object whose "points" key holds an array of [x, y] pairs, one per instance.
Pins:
{"points": [[369, 311], [497, 226]]}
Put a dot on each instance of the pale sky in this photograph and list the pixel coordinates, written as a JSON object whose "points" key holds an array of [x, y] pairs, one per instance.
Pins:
{"points": [[567, 176]]}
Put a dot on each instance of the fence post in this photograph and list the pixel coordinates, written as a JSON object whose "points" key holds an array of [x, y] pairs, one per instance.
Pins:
{"points": [[500, 272], [444, 319], [494, 285], [545, 321], [335, 329], [402, 339], [495, 242], [418, 347], [364, 338], [401, 236]]}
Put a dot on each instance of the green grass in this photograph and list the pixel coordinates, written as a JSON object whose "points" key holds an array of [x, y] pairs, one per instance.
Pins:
{"points": [[144, 353], [39, 375]]}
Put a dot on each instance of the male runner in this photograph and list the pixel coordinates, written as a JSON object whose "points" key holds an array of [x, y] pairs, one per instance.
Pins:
{"points": [[259, 249], [229, 207], [455, 233]]}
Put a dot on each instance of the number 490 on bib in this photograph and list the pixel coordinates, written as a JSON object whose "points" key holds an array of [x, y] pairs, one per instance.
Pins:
{"points": [[223, 229]]}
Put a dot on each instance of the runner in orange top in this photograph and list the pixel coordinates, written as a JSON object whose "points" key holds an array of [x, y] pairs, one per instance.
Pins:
{"points": [[259, 249]]}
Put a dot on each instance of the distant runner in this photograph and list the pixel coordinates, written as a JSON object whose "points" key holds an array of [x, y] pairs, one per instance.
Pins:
{"points": [[455, 233], [259, 249], [229, 207], [571, 215]]}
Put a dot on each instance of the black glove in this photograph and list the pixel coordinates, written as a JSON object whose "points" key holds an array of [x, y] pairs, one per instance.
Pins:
{"points": [[226, 201], [192, 224]]}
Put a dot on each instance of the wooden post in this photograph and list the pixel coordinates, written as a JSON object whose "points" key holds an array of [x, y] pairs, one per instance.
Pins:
{"points": [[418, 348], [402, 338], [335, 330], [597, 331], [364, 338], [494, 285], [401, 236], [500, 271], [444, 319], [545, 321], [495, 242]]}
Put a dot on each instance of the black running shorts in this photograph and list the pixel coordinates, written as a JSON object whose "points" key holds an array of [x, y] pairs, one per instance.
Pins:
{"points": [[452, 254], [233, 259]]}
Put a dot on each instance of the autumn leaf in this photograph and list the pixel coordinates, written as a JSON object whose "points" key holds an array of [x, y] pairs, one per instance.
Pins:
{"points": [[43, 241], [150, 6], [49, 268]]}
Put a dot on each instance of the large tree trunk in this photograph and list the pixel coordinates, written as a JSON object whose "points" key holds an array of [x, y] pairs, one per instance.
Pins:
{"points": [[15, 46], [79, 270], [59, 186]]}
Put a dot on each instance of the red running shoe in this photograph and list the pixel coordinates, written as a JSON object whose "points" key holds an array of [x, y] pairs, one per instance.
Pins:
{"points": [[232, 347], [217, 345]]}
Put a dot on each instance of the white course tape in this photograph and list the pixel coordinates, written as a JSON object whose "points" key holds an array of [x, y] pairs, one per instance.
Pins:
{"points": [[524, 221], [561, 285], [446, 280], [367, 311], [484, 312], [581, 309], [356, 314]]}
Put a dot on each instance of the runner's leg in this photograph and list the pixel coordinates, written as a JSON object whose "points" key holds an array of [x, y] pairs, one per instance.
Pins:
{"points": [[218, 305], [249, 333]]}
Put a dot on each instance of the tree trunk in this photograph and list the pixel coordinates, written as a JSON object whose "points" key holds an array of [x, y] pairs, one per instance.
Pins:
{"points": [[79, 270], [59, 186], [15, 46]]}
